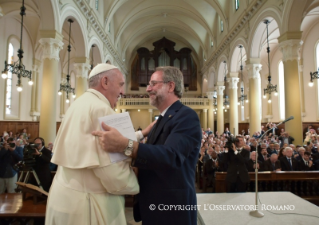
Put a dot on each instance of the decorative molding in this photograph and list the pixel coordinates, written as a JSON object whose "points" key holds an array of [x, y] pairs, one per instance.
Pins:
{"points": [[82, 70], [205, 110], [88, 13], [251, 10], [150, 110], [290, 49], [51, 48], [220, 90], [233, 81], [210, 95], [253, 71]]}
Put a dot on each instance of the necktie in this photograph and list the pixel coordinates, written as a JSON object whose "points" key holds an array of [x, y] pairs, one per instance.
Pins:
{"points": [[306, 163], [273, 167], [152, 134], [289, 160]]}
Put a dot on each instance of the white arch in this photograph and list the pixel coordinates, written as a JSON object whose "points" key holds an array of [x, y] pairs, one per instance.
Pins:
{"points": [[254, 41], [69, 10], [99, 45]]}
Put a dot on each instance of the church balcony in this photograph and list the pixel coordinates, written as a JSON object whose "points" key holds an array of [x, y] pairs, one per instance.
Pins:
{"points": [[144, 103]]}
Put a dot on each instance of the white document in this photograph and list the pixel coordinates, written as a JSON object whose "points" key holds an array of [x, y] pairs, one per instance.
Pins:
{"points": [[123, 123]]}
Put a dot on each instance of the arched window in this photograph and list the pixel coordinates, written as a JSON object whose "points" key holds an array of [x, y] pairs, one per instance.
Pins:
{"points": [[9, 82], [236, 4], [97, 4], [281, 91], [221, 26]]}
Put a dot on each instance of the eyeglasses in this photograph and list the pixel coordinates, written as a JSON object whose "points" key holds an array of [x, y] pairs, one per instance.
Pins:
{"points": [[152, 83]]}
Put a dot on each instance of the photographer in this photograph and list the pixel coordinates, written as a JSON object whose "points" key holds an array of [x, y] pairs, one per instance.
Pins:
{"points": [[42, 164], [236, 157], [10, 154]]}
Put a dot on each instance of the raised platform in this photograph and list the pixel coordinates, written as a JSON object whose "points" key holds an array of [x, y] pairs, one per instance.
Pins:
{"points": [[209, 213]]}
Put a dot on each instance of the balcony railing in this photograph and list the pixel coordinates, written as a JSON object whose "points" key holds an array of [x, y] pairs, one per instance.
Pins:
{"points": [[191, 102]]}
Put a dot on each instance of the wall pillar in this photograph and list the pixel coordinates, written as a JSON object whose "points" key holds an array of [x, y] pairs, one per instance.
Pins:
{"points": [[204, 117], [289, 45], [82, 69], [233, 100], [220, 111], [35, 112], [151, 115], [253, 68], [51, 48], [211, 110]]}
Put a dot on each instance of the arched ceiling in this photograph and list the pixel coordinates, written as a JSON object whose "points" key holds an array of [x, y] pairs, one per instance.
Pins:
{"points": [[139, 23]]}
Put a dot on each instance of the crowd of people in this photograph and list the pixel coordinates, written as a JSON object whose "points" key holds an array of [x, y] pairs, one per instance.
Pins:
{"points": [[274, 153], [14, 158]]}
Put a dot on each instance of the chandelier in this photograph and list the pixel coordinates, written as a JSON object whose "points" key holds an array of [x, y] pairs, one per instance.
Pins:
{"points": [[66, 86], [313, 75], [17, 67], [92, 59], [270, 87], [242, 97]]}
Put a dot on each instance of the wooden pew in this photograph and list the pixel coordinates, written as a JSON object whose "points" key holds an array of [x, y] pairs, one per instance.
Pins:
{"points": [[305, 184]]}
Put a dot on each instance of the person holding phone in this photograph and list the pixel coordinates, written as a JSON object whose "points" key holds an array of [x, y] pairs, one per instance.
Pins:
{"points": [[10, 154]]}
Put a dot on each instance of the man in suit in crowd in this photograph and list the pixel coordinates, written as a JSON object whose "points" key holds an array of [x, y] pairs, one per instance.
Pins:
{"points": [[301, 152], [263, 156], [42, 163], [166, 163], [288, 162], [285, 139], [237, 173], [251, 164], [10, 154], [272, 164], [210, 167], [306, 164]]}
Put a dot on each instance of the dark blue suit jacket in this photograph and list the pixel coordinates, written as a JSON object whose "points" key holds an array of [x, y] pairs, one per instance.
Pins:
{"points": [[167, 169]]}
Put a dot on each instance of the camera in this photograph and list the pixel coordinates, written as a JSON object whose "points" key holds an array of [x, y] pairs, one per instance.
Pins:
{"points": [[230, 141], [12, 145], [28, 161]]}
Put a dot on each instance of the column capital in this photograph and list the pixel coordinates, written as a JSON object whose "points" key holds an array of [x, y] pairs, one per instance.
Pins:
{"points": [[290, 49], [220, 90], [123, 110], [205, 110], [82, 70], [210, 95], [51, 48], [233, 81], [253, 70], [150, 110]]}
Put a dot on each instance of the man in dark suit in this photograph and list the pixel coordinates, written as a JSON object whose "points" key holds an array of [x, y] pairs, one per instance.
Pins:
{"points": [[237, 173], [251, 164], [263, 156], [42, 164], [272, 164], [166, 163], [306, 164], [288, 162], [285, 139]]}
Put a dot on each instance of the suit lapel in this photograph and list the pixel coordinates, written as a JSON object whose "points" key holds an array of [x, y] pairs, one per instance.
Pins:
{"points": [[171, 111]]}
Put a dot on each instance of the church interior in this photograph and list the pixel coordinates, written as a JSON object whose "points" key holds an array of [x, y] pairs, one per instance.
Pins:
{"points": [[245, 63]]}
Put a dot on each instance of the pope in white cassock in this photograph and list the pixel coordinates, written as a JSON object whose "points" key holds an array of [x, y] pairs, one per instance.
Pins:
{"points": [[88, 188]]}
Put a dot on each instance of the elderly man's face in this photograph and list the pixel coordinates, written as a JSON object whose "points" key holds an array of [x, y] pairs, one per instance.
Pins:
{"points": [[288, 152], [115, 87]]}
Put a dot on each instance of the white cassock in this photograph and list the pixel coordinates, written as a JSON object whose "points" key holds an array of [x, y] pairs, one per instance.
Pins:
{"points": [[87, 188]]}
